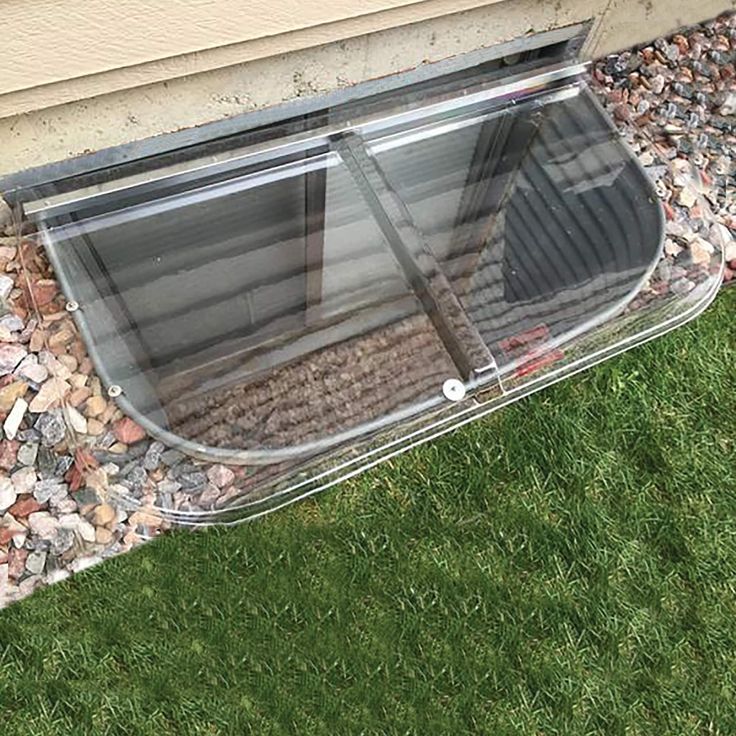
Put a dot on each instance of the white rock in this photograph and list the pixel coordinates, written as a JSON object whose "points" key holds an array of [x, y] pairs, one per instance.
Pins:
{"points": [[24, 480], [729, 106], [32, 370], [55, 368], [8, 494], [27, 454], [66, 505], [701, 251], [11, 322], [86, 531], [721, 235], [10, 356], [11, 425], [35, 562], [57, 576], [43, 524], [10, 522], [671, 248], [51, 394], [731, 251], [687, 197], [50, 490], [83, 563], [6, 214], [75, 420]]}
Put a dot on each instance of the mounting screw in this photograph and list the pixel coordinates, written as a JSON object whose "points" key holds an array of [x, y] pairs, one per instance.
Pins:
{"points": [[72, 306], [453, 389], [114, 391]]}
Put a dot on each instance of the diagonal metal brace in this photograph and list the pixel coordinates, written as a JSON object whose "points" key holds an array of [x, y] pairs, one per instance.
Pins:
{"points": [[421, 269]]}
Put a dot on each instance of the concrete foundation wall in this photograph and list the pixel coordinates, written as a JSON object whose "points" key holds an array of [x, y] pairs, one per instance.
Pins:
{"points": [[106, 105]]}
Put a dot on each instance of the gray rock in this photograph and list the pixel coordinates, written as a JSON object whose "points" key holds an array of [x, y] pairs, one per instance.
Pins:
{"points": [[27, 453], [165, 500], [35, 562], [62, 541], [136, 479], [86, 496], [6, 214], [153, 455], [137, 450], [194, 481], [52, 428], [168, 486], [11, 321], [129, 467], [29, 435], [45, 490], [171, 457], [106, 440], [40, 545], [46, 463], [682, 287], [63, 464], [664, 270]]}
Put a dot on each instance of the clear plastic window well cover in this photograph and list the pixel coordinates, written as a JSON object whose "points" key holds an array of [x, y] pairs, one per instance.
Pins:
{"points": [[308, 304]]}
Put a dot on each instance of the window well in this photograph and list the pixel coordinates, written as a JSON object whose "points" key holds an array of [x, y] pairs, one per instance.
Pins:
{"points": [[319, 295]]}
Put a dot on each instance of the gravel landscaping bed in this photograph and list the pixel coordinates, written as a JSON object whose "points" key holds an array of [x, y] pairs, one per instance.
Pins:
{"points": [[67, 451]]}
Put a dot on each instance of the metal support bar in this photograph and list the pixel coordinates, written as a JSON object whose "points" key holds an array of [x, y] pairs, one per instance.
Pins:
{"points": [[417, 262], [315, 200]]}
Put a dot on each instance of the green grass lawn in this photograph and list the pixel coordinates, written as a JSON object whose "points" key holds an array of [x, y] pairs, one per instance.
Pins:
{"points": [[567, 566]]}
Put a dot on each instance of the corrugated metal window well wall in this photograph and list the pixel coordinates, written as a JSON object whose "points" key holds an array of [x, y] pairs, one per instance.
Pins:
{"points": [[332, 292]]}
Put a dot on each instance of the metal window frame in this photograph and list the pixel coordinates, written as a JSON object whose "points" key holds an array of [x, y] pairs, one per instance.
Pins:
{"points": [[568, 40]]}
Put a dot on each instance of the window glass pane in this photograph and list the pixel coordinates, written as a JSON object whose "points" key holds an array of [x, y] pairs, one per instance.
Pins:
{"points": [[539, 215], [261, 314]]}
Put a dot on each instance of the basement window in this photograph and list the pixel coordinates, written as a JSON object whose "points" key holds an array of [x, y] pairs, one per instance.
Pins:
{"points": [[339, 288]]}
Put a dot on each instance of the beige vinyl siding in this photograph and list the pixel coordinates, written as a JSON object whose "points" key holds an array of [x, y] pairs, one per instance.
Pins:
{"points": [[56, 51], [82, 75]]}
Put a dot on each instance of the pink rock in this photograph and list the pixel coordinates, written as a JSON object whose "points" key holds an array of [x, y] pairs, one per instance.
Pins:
{"points": [[16, 562], [25, 506], [8, 454], [128, 432], [220, 476], [44, 291]]}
